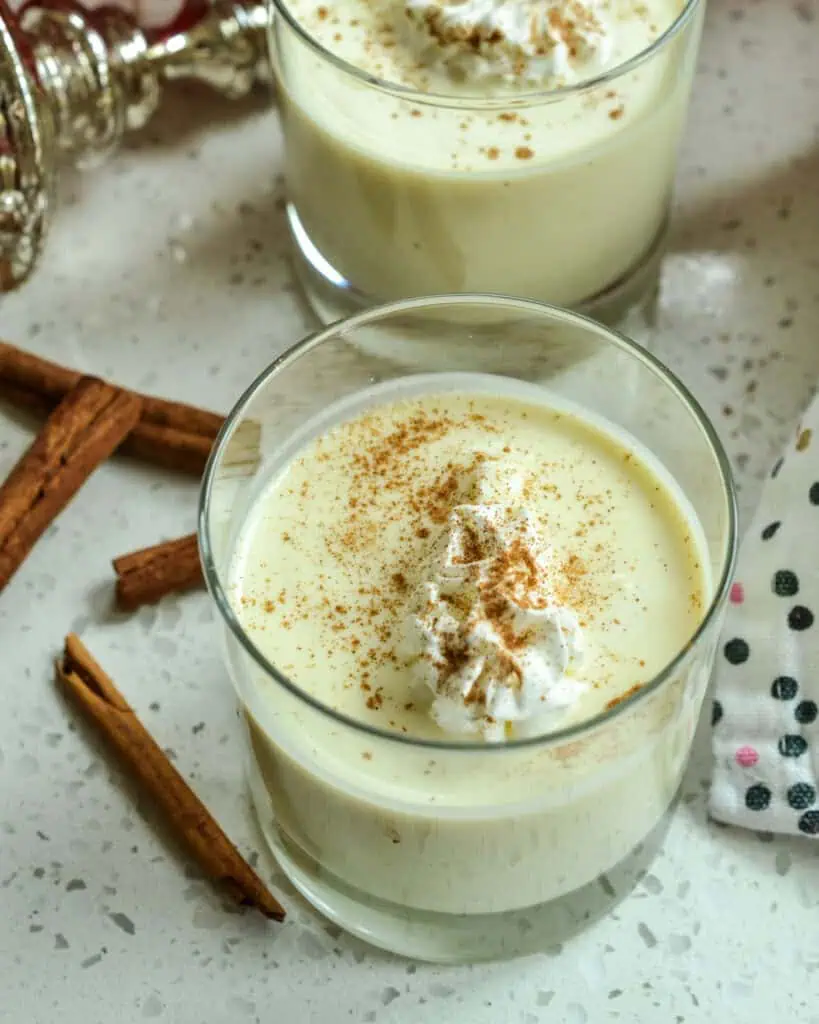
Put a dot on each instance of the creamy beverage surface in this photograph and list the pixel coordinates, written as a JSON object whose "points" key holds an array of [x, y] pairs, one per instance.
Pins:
{"points": [[469, 47], [479, 165], [469, 564], [469, 560], [485, 49]]}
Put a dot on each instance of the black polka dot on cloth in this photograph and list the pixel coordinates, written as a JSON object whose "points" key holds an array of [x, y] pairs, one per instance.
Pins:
{"points": [[770, 530], [785, 583], [800, 617], [784, 688], [757, 797], [806, 712], [792, 745], [809, 823], [801, 795], [765, 724], [736, 651]]}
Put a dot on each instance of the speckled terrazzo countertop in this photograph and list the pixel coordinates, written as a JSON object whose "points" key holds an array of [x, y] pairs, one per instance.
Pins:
{"points": [[168, 270]]}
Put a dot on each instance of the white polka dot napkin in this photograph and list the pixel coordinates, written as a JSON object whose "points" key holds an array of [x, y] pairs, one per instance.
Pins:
{"points": [[765, 717]]}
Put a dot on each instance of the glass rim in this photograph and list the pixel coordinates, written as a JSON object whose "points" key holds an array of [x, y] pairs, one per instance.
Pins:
{"points": [[569, 733], [512, 100]]}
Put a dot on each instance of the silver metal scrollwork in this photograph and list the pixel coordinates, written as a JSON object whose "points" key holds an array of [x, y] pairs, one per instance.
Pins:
{"points": [[73, 82]]}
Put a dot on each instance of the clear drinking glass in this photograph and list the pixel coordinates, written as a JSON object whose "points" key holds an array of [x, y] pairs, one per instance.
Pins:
{"points": [[380, 208], [407, 870]]}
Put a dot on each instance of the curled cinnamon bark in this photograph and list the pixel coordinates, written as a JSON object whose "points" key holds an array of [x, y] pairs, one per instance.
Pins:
{"points": [[102, 703], [146, 576], [170, 434], [84, 429]]}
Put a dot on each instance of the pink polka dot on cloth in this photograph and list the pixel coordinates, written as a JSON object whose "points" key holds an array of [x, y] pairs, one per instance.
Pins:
{"points": [[746, 757], [737, 593]]}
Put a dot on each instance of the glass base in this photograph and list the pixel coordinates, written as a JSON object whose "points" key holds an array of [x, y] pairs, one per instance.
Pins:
{"points": [[452, 938], [629, 303]]}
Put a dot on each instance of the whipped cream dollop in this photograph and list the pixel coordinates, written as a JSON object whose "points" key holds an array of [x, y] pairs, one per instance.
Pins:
{"points": [[487, 636], [524, 41]]}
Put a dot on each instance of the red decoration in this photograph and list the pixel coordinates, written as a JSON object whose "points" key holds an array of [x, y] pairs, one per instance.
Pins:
{"points": [[162, 17]]}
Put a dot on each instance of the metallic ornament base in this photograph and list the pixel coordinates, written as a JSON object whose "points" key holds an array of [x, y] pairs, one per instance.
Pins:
{"points": [[74, 82]]}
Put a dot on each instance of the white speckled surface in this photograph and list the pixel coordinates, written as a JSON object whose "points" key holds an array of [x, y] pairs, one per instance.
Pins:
{"points": [[168, 271]]}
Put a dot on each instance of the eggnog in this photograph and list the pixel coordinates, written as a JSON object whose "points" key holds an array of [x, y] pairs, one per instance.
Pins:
{"points": [[495, 145], [456, 567]]}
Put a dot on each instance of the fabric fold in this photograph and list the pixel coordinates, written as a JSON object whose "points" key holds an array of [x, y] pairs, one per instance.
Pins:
{"points": [[765, 713]]}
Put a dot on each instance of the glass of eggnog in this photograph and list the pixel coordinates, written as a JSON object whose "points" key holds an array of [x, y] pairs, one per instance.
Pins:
{"points": [[471, 592], [519, 146]]}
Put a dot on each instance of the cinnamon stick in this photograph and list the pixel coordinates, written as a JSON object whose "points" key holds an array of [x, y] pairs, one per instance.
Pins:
{"points": [[84, 429], [163, 446], [171, 434], [29, 401], [93, 690], [33, 373], [169, 447], [146, 576]]}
